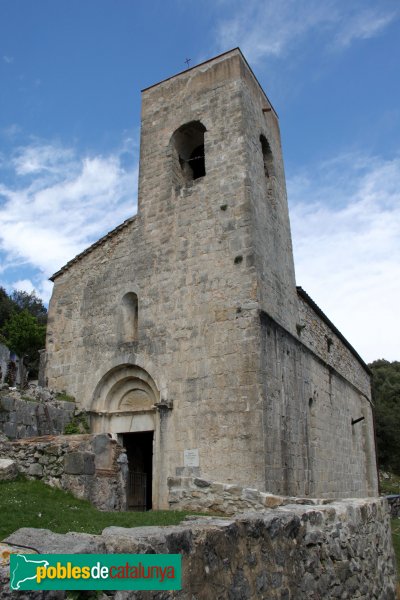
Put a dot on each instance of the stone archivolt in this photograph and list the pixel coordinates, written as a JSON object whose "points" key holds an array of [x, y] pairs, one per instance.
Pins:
{"points": [[126, 388]]}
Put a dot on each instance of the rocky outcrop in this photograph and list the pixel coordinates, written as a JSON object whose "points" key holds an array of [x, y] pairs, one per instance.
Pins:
{"points": [[394, 504], [33, 412]]}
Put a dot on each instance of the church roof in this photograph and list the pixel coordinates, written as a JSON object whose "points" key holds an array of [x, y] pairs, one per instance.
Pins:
{"points": [[303, 294], [99, 242]]}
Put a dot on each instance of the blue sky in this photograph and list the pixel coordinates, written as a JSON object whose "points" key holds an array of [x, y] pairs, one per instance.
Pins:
{"points": [[70, 79]]}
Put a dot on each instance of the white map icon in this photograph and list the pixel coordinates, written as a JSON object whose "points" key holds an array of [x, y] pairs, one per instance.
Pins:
{"points": [[18, 575]]}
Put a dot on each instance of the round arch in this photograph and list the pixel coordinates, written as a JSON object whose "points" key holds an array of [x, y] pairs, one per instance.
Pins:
{"points": [[124, 401]]}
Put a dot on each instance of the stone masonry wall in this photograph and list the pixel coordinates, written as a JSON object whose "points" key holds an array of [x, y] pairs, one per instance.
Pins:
{"points": [[271, 244], [92, 467], [38, 414], [342, 550], [200, 495], [319, 337], [312, 446]]}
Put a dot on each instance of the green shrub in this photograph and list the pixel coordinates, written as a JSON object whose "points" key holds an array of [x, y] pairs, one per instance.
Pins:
{"points": [[64, 397], [79, 424]]}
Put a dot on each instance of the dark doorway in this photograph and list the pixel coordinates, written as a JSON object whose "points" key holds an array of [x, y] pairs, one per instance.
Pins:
{"points": [[139, 450]]}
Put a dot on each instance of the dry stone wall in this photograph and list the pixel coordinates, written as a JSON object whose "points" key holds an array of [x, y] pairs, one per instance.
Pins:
{"points": [[339, 551], [200, 495], [93, 467], [8, 469]]}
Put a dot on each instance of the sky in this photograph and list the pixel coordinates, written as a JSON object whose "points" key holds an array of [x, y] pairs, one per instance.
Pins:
{"points": [[71, 72]]}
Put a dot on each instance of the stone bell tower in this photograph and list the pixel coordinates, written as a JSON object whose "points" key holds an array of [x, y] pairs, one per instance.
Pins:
{"points": [[212, 205], [211, 154]]}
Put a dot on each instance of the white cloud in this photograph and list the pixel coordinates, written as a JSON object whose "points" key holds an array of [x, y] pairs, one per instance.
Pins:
{"points": [[267, 28], [25, 285], [8, 59], [42, 157], [65, 203], [275, 27], [346, 230], [366, 24], [42, 289]]}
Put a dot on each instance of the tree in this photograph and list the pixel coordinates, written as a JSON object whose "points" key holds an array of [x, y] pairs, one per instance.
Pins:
{"points": [[6, 306], [25, 336], [386, 398], [23, 318], [30, 302]]}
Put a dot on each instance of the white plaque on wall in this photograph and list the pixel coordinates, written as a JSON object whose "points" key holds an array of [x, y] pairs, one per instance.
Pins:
{"points": [[191, 458]]}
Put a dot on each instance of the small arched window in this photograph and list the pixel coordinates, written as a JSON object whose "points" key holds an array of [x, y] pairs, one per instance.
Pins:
{"points": [[267, 157], [187, 145], [128, 330]]}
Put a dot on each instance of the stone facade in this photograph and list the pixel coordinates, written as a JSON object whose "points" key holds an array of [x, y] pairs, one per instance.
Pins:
{"points": [[341, 550], [92, 467], [185, 321]]}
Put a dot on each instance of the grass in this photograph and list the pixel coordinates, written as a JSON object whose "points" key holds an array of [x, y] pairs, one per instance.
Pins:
{"points": [[26, 503], [391, 485], [65, 397]]}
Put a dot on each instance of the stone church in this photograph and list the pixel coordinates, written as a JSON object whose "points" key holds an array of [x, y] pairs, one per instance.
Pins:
{"points": [[182, 331]]}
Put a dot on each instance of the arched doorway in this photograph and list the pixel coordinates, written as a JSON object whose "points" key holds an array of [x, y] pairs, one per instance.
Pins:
{"points": [[124, 404]]}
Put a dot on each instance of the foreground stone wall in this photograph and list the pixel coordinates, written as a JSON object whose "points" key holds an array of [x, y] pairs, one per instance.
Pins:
{"points": [[342, 550], [200, 495], [92, 467], [38, 414]]}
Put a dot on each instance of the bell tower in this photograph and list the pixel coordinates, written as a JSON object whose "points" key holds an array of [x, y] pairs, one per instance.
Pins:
{"points": [[211, 156]]}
